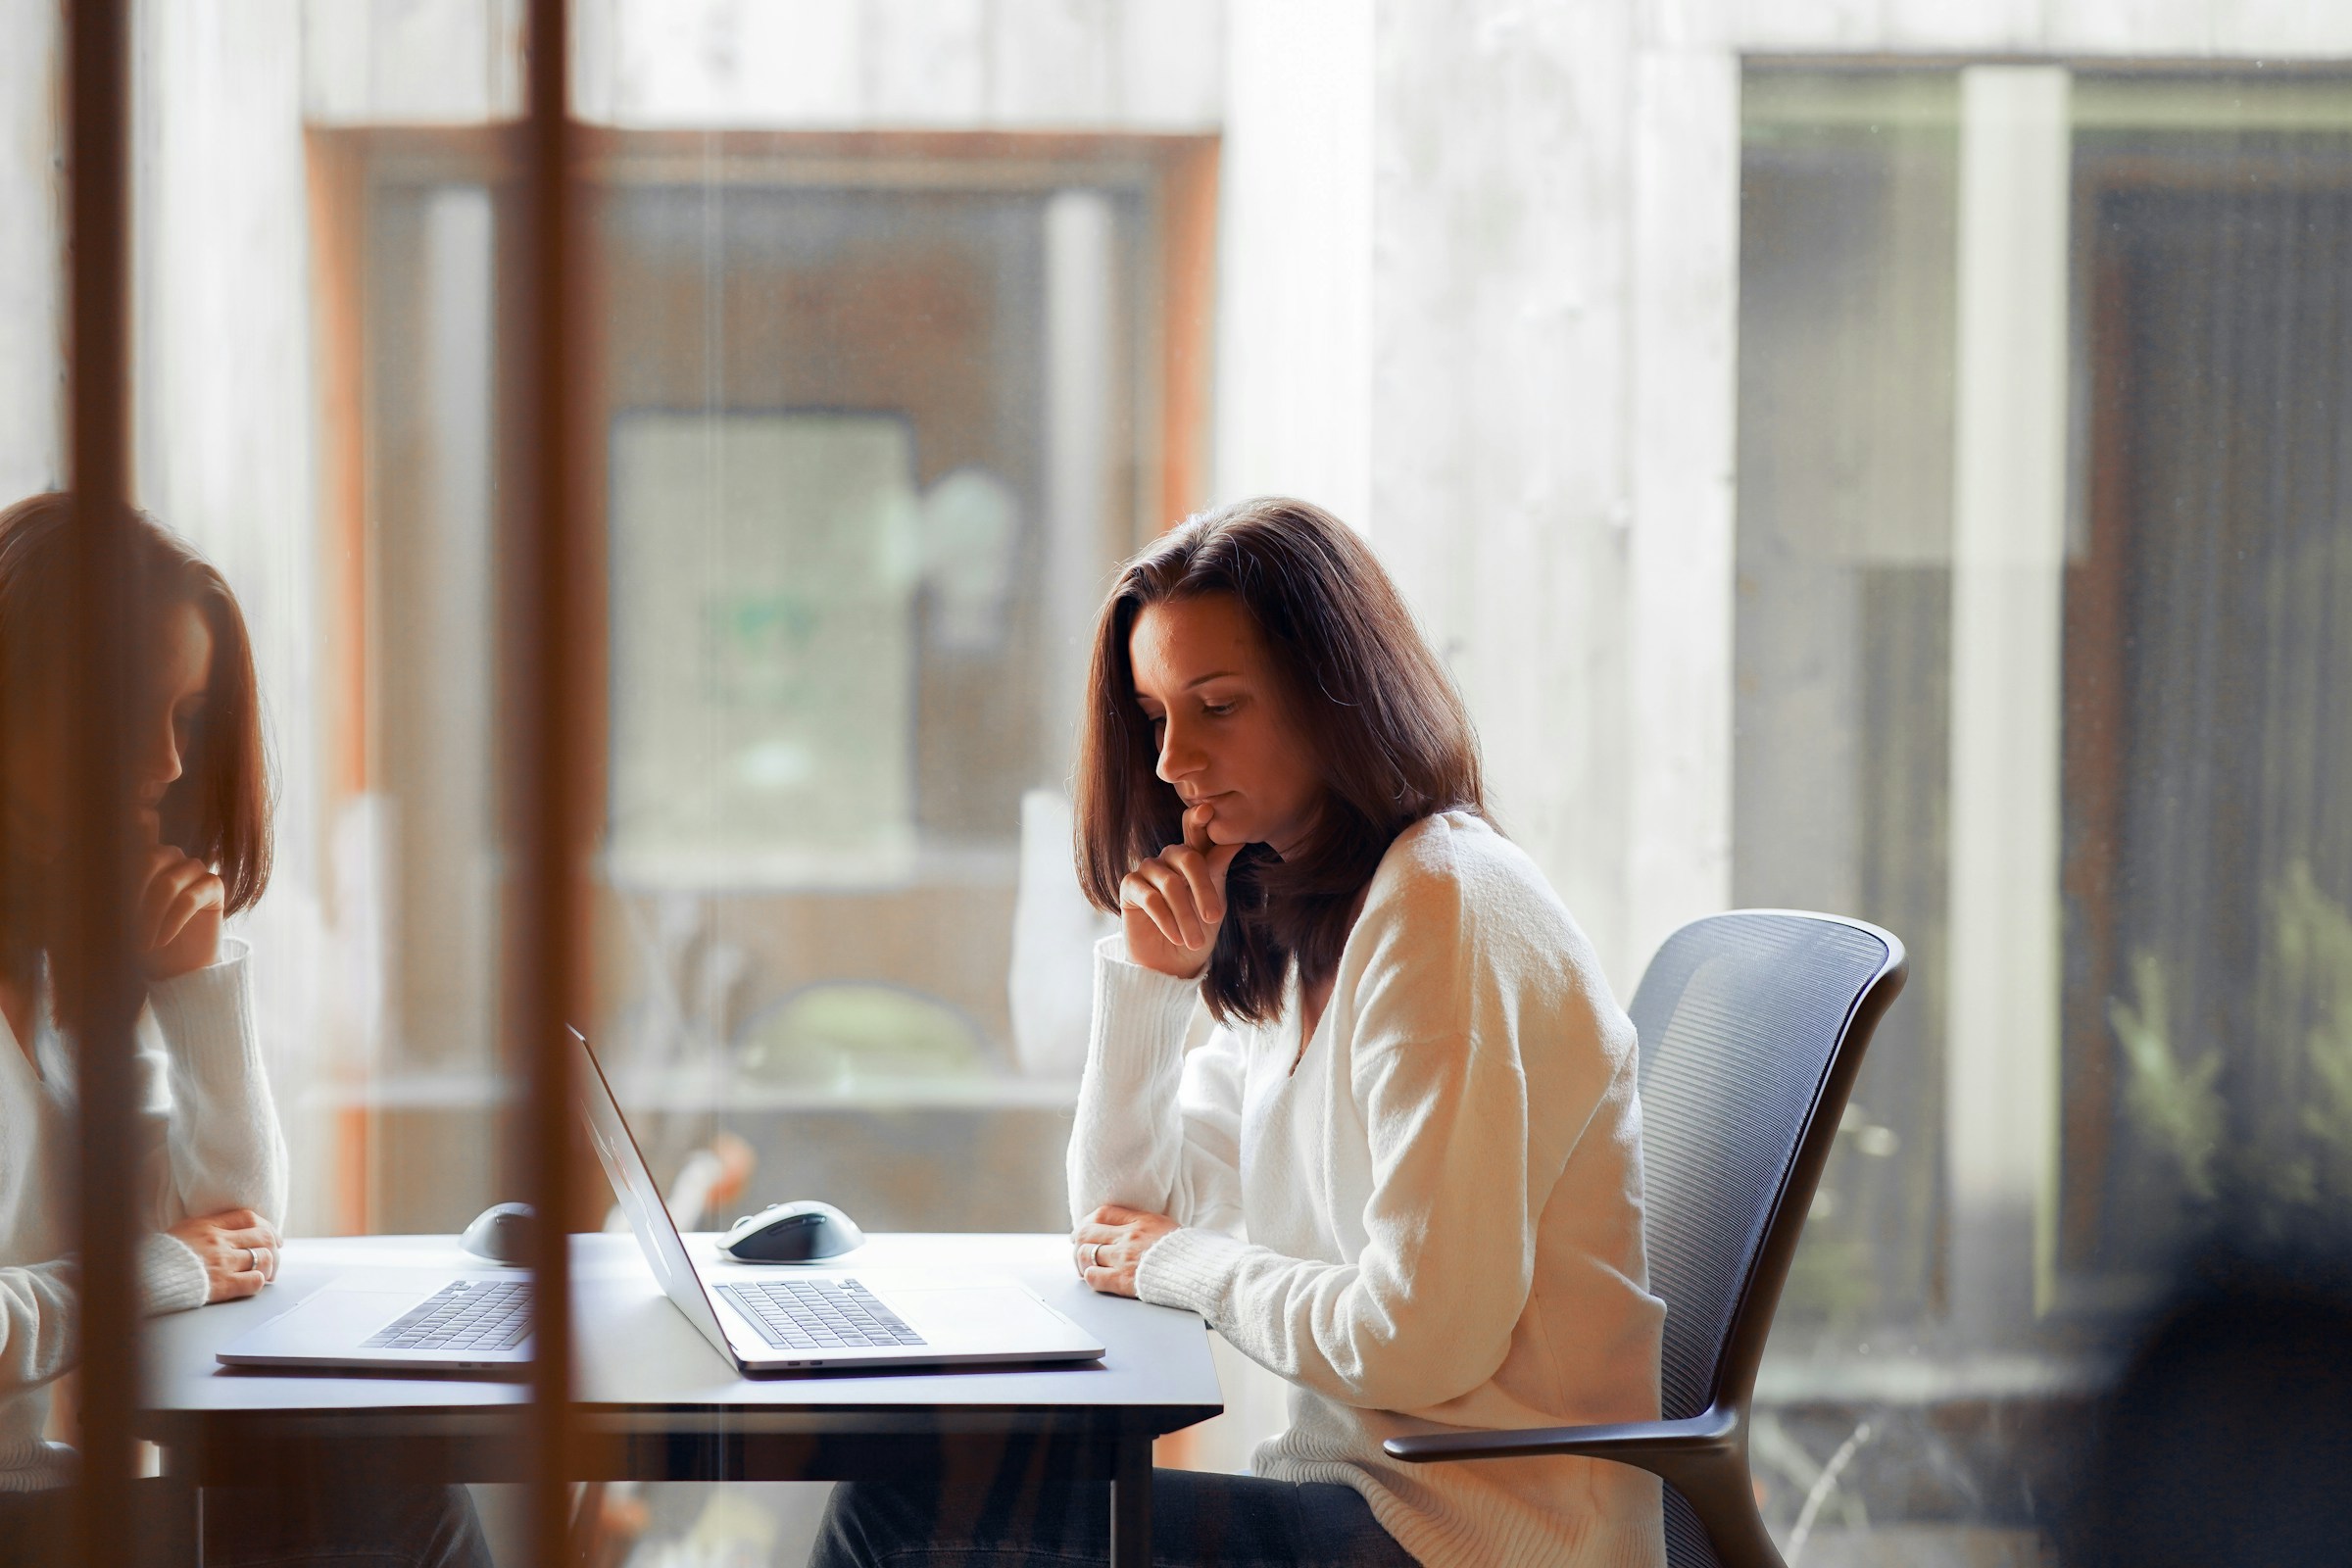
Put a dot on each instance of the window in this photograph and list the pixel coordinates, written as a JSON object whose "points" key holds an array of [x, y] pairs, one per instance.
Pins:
{"points": [[880, 415], [2073, 740]]}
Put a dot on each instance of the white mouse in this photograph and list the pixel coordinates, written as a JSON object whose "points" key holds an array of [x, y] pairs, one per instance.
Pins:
{"points": [[793, 1233]]}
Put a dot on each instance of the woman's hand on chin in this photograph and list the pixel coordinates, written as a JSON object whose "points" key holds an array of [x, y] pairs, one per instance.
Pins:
{"points": [[1172, 904], [178, 918], [1111, 1242]]}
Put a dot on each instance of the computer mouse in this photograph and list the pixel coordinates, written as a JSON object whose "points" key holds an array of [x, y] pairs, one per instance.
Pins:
{"points": [[793, 1233], [501, 1233]]}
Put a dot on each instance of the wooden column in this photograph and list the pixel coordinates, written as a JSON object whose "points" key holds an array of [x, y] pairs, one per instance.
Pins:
{"points": [[548, 824], [98, 989]]}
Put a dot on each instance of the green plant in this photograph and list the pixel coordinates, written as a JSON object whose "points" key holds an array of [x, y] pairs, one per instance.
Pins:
{"points": [[2301, 1164], [2178, 1108]]}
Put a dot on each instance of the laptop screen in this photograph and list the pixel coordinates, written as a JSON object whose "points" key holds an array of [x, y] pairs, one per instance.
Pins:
{"points": [[641, 1199]]}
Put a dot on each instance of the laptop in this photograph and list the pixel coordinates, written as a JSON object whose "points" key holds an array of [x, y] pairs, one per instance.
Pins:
{"points": [[764, 1317]]}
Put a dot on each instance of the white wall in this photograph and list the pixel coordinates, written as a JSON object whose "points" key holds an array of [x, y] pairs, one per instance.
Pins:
{"points": [[31, 289], [1129, 65], [1294, 384]]}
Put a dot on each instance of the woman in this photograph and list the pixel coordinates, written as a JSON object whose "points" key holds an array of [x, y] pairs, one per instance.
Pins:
{"points": [[213, 1160], [1356, 1091]]}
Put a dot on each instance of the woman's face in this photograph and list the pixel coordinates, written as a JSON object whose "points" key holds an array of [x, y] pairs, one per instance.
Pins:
{"points": [[164, 709], [1217, 708]]}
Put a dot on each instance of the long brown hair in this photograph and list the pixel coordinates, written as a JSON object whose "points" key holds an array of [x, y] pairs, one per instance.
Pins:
{"points": [[217, 811], [1369, 701]]}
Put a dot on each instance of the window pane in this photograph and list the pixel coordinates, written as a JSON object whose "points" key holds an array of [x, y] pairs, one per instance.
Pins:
{"points": [[2210, 852], [2046, 395], [876, 441], [1842, 716]]}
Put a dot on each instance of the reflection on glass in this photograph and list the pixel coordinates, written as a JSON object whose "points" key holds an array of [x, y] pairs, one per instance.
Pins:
{"points": [[213, 1176]]}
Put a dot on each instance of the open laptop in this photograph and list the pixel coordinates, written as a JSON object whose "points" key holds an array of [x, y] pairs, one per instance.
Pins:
{"points": [[764, 1317]]}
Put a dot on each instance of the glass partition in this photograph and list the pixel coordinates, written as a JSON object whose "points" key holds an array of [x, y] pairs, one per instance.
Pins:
{"points": [[2019, 632]]}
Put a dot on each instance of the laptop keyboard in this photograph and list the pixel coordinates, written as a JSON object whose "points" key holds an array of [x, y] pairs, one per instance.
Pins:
{"points": [[822, 1314], [465, 1315]]}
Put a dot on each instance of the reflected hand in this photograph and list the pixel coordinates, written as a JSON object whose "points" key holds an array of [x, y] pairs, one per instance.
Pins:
{"points": [[1111, 1242], [1172, 904], [178, 914], [238, 1250]]}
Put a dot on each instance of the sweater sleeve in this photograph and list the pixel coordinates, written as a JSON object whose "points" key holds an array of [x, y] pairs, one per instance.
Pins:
{"points": [[1425, 1311], [224, 1146], [39, 1306], [1158, 1127], [37, 1322], [40, 1319]]}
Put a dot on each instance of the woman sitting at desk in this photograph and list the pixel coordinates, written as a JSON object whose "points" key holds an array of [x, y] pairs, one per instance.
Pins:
{"points": [[212, 1158], [1356, 1091]]}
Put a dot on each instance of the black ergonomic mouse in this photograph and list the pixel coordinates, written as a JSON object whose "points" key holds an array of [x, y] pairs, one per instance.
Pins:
{"points": [[501, 1233], [793, 1233]]}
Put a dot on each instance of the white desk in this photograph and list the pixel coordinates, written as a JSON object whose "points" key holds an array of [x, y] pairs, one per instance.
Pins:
{"points": [[658, 1403]]}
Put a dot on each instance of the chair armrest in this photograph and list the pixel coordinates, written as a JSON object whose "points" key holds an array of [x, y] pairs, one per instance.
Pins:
{"points": [[1632, 1442]]}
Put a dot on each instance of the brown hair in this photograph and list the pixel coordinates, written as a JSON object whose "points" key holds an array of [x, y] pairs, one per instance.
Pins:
{"points": [[217, 811], [1369, 700]]}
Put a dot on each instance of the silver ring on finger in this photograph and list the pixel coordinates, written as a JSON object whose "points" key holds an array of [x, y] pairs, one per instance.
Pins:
{"points": [[253, 1261], [1093, 1254]]}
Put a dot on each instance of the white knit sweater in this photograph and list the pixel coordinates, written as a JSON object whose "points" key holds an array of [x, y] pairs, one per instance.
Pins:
{"points": [[1435, 1222], [210, 1140]]}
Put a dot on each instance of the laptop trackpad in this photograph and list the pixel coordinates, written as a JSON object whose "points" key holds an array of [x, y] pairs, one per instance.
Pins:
{"points": [[981, 1317], [334, 1320]]}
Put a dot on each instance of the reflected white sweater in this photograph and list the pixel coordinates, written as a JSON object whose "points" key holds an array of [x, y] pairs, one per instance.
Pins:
{"points": [[210, 1142], [1436, 1222]]}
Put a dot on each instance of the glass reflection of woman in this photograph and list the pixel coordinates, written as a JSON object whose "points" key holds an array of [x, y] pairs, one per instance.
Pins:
{"points": [[213, 1160], [1356, 1091]]}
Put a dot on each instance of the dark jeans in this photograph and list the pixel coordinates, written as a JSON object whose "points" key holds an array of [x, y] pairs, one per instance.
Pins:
{"points": [[270, 1527], [1018, 1515]]}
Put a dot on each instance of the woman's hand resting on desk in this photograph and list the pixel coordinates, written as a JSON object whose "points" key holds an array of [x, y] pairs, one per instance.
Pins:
{"points": [[1111, 1241], [1171, 906], [238, 1250]]}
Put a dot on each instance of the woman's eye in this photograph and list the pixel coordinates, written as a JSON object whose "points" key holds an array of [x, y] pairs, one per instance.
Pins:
{"points": [[1219, 710]]}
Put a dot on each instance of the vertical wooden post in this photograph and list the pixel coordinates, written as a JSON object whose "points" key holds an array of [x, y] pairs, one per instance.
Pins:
{"points": [[98, 992], [546, 799]]}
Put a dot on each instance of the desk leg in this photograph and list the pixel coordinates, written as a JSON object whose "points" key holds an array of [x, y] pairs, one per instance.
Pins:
{"points": [[180, 1516], [1131, 1505]]}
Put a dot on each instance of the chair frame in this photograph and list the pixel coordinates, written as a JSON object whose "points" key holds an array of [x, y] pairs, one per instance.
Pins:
{"points": [[1704, 1456]]}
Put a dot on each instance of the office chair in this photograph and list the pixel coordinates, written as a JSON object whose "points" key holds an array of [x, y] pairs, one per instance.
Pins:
{"points": [[1752, 1027]]}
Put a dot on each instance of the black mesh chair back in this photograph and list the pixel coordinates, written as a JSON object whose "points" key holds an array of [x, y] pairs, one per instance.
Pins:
{"points": [[1741, 1020], [1744, 1021], [1752, 1027]]}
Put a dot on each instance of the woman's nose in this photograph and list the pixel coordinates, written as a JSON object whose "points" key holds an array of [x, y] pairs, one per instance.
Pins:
{"points": [[1178, 758], [159, 759]]}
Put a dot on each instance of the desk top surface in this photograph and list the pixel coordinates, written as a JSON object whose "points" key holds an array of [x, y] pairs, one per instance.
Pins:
{"points": [[640, 1358]]}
